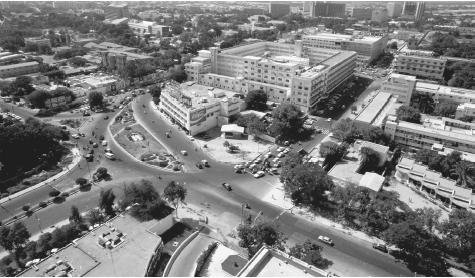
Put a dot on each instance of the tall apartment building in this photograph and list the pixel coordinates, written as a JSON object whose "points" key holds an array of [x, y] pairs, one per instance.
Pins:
{"points": [[413, 10], [367, 47], [400, 85], [309, 8], [329, 9], [288, 73], [277, 9], [394, 9], [362, 13], [115, 11], [420, 9], [421, 64], [379, 15], [142, 28], [448, 132], [18, 69]]}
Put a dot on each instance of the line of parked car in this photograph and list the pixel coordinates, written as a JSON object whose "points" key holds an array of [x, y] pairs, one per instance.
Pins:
{"points": [[269, 162]]}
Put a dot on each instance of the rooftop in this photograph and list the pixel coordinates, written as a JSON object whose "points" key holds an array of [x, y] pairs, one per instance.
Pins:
{"points": [[372, 181], [435, 88], [274, 263], [403, 76], [357, 38], [19, 65], [371, 112], [130, 257]]}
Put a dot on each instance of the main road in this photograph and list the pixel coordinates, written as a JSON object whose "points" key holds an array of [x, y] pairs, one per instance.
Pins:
{"points": [[204, 186]]}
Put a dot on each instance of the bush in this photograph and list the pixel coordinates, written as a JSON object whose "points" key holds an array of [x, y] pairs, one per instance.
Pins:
{"points": [[58, 199], [42, 204], [26, 208], [81, 181], [54, 193], [64, 195], [204, 257]]}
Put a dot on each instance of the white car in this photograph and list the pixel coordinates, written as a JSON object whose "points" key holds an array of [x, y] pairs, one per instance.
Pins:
{"points": [[239, 166], [75, 136], [280, 149], [104, 143], [183, 152], [259, 174], [110, 156], [281, 155], [286, 151], [326, 240]]}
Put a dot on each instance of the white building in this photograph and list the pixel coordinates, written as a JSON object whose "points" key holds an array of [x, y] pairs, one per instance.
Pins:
{"points": [[448, 132], [286, 72], [421, 64], [367, 47], [198, 108], [465, 110], [142, 28], [401, 86]]}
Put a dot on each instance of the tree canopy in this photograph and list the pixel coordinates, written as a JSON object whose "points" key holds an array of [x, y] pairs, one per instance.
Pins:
{"points": [[106, 201], [254, 236], [287, 122], [408, 114], [96, 99], [175, 193], [256, 100], [310, 252]]}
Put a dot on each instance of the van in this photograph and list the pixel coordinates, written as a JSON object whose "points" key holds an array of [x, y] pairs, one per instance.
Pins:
{"points": [[110, 156], [104, 143]]}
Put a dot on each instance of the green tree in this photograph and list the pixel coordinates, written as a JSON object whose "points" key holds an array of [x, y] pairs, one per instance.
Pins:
{"points": [[101, 173], [287, 122], [424, 155], [464, 171], [445, 109], [106, 201], [144, 201], [331, 152], [256, 100], [155, 92], [21, 86], [95, 216], [77, 61], [14, 237], [75, 215], [310, 252], [256, 126], [175, 193], [369, 160], [424, 102], [96, 99], [252, 237], [345, 130], [459, 233], [38, 98], [408, 114]]}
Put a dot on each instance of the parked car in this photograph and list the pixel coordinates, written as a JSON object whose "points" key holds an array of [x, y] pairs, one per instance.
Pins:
{"points": [[280, 155], [75, 136], [326, 240], [110, 156], [95, 145], [199, 165], [107, 150], [259, 174], [89, 157], [227, 186], [106, 117], [239, 171], [380, 247], [183, 152], [274, 171], [205, 163], [280, 149]]}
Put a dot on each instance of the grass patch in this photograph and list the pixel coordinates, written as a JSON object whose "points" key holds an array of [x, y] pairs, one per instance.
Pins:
{"points": [[139, 148]]}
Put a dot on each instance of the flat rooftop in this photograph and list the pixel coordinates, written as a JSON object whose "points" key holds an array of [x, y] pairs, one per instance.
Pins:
{"points": [[374, 108], [360, 39], [274, 263], [88, 258], [436, 88], [19, 65]]}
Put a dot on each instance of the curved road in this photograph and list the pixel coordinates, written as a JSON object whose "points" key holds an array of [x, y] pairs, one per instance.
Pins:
{"points": [[204, 186]]}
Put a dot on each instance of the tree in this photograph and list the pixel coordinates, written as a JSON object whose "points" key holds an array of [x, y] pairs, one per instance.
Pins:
{"points": [[420, 249], [14, 237], [155, 92], [175, 193], [310, 252], [287, 122], [96, 99], [408, 114], [424, 102], [345, 130], [464, 171], [424, 155], [21, 86], [253, 237], [445, 109], [256, 100], [459, 233], [429, 217], [331, 152], [95, 216], [81, 181], [256, 126], [106, 201], [101, 173], [38, 98], [369, 160], [75, 215]]}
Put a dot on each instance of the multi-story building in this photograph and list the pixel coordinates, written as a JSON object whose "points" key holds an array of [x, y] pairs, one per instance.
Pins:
{"points": [[413, 10], [448, 132], [434, 185], [198, 108], [288, 73], [329, 9], [309, 8], [465, 110], [37, 41], [421, 64], [142, 28], [277, 9], [400, 85], [362, 13], [420, 9], [115, 11], [379, 15], [367, 47], [115, 61], [394, 9], [15, 70]]}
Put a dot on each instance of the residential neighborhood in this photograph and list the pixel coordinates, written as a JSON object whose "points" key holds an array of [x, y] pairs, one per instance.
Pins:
{"points": [[246, 138]]}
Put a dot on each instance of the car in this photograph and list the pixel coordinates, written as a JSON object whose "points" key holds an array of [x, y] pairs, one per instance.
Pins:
{"points": [[82, 134], [107, 150], [227, 186], [280, 149], [274, 171], [75, 136], [205, 162], [104, 143], [286, 143], [329, 119], [91, 142], [238, 171], [127, 128], [280, 155], [183, 152], [110, 156], [238, 166], [326, 240], [286, 151], [101, 137], [199, 165], [253, 165], [259, 174], [85, 113], [89, 157], [277, 164], [106, 117], [95, 145], [380, 247]]}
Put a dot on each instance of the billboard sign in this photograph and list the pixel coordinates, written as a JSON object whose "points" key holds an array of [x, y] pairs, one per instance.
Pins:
{"points": [[197, 116]]}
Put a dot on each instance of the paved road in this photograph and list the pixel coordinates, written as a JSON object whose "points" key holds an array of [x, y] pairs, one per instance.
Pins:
{"points": [[184, 265], [205, 186]]}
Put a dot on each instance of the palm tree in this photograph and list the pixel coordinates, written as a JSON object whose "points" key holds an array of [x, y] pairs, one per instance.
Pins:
{"points": [[425, 102], [464, 171]]}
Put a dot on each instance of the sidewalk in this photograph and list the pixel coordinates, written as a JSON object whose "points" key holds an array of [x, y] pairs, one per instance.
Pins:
{"points": [[76, 158]]}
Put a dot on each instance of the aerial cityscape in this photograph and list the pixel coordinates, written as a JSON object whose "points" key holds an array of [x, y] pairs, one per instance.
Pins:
{"points": [[237, 138]]}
